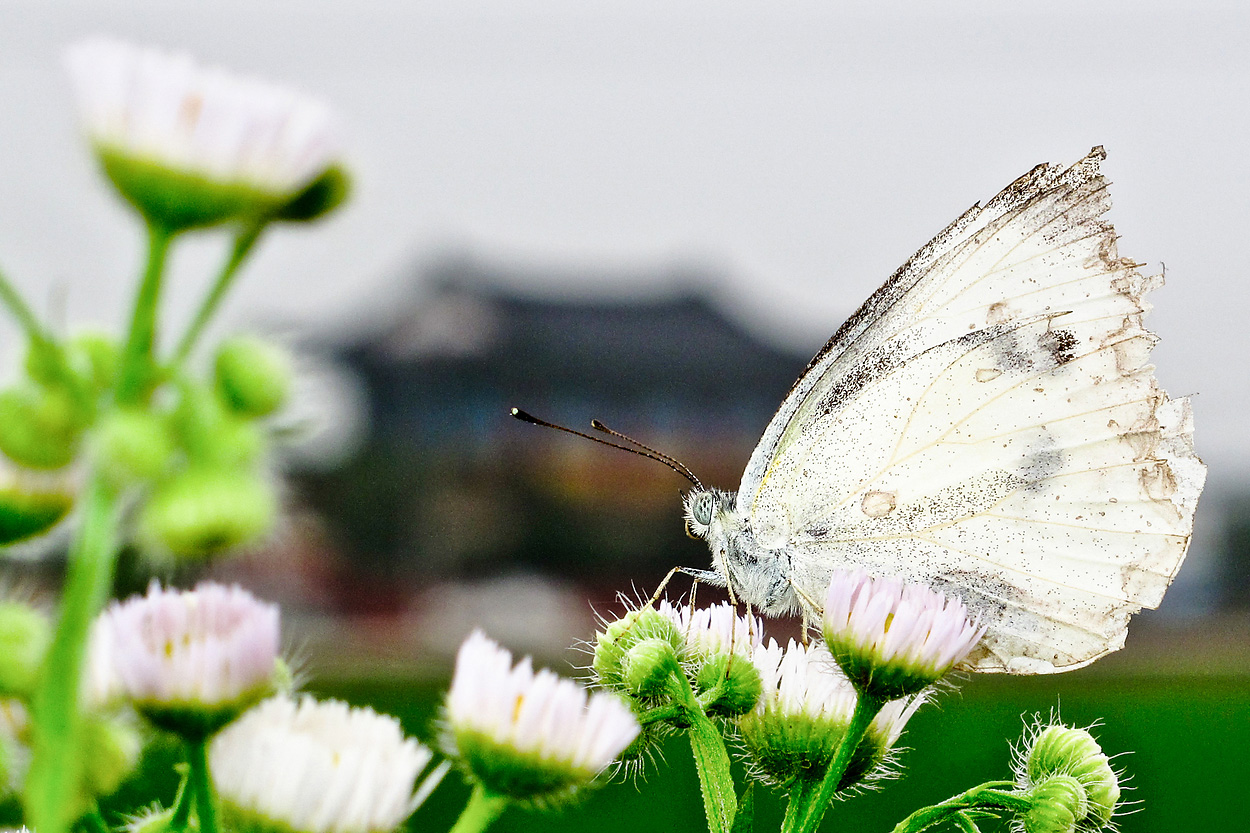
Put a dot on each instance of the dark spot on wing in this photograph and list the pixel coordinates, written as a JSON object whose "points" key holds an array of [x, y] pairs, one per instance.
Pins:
{"points": [[1060, 344]]}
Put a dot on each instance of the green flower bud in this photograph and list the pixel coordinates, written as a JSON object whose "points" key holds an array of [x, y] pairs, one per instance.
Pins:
{"points": [[28, 512], [110, 749], [253, 375], [133, 446], [204, 511], [324, 194], [40, 427], [648, 667], [1063, 750], [618, 637], [1059, 804], [97, 359], [738, 682], [46, 363], [24, 637], [211, 435]]}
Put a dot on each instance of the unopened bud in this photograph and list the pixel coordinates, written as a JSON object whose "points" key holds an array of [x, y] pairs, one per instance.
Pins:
{"points": [[1059, 804], [133, 445], [40, 427], [612, 643], [253, 375], [735, 678], [1063, 750], [204, 511], [24, 637], [648, 667]]}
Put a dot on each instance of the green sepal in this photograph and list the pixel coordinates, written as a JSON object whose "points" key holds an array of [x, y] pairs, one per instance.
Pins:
{"points": [[324, 194], [193, 722], [177, 200], [520, 776]]}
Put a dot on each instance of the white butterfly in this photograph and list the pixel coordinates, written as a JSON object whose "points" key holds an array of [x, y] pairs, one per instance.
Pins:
{"points": [[987, 423]]}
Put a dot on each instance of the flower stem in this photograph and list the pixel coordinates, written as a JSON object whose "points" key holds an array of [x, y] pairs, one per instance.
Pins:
{"points": [[993, 795], [711, 761], [201, 783], [243, 244], [807, 806], [136, 363], [183, 801], [55, 761], [17, 306], [483, 808]]}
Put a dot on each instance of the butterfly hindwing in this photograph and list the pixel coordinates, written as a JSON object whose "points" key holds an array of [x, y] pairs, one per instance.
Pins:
{"points": [[988, 422]]}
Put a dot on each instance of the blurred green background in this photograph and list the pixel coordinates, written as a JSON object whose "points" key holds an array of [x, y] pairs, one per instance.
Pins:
{"points": [[1182, 740]]}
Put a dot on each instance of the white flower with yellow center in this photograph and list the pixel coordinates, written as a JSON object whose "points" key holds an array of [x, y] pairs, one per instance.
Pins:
{"points": [[530, 736], [803, 714], [190, 660], [191, 145], [318, 767]]}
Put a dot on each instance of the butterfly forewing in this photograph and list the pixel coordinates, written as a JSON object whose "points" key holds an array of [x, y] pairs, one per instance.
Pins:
{"points": [[988, 423]]}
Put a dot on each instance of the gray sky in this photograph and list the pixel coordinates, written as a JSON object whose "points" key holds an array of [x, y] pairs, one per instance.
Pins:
{"points": [[803, 149]]}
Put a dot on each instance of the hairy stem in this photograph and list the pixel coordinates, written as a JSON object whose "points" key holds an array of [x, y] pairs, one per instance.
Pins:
{"points": [[483, 808]]}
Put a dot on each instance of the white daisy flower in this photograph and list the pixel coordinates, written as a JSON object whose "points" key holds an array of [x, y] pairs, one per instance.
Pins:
{"points": [[190, 660], [530, 736], [715, 630], [192, 145], [319, 767], [803, 714], [894, 639]]}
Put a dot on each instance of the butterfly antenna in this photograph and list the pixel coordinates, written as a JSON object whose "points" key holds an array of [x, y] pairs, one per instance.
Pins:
{"points": [[640, 449], [674, 464]]}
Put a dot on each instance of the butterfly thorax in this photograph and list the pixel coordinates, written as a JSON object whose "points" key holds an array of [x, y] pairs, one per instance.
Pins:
{"points": [[758, 576]]}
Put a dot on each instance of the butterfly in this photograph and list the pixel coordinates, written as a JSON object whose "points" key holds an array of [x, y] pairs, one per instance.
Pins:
{"points": [[987, 424]]}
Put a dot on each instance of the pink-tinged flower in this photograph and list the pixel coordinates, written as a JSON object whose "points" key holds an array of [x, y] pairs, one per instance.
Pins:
{"points": [[319, 767], [192, 145], [190, 660], [894, 639], [530, 736], [806, 707]]}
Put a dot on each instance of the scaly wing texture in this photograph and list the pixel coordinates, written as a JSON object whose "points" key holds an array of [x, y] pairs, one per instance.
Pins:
{"points": [[988, 423]]}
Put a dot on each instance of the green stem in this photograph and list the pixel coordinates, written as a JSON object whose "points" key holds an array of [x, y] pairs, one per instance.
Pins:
{"points": [[804, 815], [55, 763], [93, 822], [243, 244], [201, 783], [16, 304], [483, 808], [136, 362], [184, 800], [715, 780], [711, 761], [994, 795]]}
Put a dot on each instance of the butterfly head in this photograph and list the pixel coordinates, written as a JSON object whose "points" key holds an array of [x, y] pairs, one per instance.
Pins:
{"points": [[703, 507]]}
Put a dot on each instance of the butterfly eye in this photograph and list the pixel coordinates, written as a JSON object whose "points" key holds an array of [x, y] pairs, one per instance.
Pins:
{"points": [[702, 509]]}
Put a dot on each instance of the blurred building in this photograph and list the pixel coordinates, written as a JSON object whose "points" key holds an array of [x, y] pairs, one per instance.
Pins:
{"points": [[448, 486]]}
